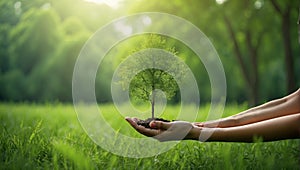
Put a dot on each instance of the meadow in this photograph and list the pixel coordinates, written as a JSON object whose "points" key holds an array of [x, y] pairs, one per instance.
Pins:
{"points": [[49, 136]]}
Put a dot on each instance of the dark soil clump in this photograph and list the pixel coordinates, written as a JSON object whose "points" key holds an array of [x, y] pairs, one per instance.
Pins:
{"points": [[146, 122]]}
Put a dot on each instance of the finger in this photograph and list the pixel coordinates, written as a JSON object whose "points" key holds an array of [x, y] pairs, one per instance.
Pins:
{"points": [[135, 119], [147, 132], [131, 121], [199, 124], [142, 129], [160, 125]]}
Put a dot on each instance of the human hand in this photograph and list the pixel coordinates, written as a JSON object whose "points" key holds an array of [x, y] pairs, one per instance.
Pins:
{"points": [[167, 131]]}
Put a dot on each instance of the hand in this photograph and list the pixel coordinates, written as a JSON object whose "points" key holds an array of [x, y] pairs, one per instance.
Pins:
{"points": [[167, 131]]}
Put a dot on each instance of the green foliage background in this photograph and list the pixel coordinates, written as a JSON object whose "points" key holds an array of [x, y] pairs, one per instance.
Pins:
{"points": [[41, 39]]}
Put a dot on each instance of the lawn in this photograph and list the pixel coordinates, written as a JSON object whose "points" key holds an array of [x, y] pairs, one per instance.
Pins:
{"points": [[49, 136]]}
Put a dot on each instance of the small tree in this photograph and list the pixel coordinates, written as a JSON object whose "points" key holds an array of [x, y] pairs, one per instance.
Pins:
{"points": [[144, 85], [148, 77]]}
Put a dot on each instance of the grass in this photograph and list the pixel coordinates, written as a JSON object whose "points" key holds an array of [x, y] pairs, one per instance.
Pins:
{"points": [[49, 136]]}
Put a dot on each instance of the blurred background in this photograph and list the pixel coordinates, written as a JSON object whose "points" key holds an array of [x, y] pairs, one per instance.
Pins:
{"points": [[40, 40]]}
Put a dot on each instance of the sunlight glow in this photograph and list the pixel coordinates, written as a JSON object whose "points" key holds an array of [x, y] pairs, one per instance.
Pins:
{"points": [[258, 4], [220, 1], [123, 28], [111, 3]]}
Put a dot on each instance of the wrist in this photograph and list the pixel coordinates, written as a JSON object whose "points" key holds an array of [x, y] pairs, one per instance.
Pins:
{"points": [[210, 134], [216, 134], [194, 133]]}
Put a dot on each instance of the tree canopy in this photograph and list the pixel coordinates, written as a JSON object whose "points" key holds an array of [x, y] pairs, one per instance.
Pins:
{"points": [[155, 72]]}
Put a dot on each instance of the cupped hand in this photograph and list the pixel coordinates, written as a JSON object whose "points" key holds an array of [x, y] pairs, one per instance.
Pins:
{"points": [[167, 131]]}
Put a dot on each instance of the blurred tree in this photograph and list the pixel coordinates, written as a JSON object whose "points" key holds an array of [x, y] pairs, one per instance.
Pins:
{"points": [[43, 47], [14, 86], [9, 12], [57, 70], [91, 15], [4, 45], [8, 18], [34, 39], [246, 29], [246, 40], [284, 10]]}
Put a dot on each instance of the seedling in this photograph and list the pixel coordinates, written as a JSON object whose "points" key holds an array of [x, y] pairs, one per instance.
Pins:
{"points": [[144, 86]]}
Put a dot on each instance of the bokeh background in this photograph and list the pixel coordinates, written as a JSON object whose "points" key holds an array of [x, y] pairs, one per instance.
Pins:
{"points": [[257, 41]]}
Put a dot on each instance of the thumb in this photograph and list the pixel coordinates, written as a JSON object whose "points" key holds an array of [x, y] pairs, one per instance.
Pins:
{"points": [[160, 125]]}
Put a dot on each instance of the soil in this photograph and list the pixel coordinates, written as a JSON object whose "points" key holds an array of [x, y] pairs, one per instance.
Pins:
{"points": [[146, 122]]}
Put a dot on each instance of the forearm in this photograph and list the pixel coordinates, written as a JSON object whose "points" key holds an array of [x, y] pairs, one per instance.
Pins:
{"points": [[273, 109], [286, 127]]}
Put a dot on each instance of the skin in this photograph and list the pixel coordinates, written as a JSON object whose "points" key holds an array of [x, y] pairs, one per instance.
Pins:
{"points": [[276, 120], [277, 108]]}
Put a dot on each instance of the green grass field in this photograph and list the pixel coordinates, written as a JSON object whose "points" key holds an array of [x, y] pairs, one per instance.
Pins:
{"points": [[49, 136]]}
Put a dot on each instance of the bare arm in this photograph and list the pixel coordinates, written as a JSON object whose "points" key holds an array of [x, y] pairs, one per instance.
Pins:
{"points": [[285, 127], [275, 120], [281, 107]]}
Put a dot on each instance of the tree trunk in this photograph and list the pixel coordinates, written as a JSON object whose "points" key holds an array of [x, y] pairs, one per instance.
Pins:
{"points": [[152, 103], [289, 61], [254, 65], [250, 79]]}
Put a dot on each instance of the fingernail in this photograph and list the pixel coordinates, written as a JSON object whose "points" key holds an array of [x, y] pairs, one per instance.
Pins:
{"points": [[152, 124]]}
